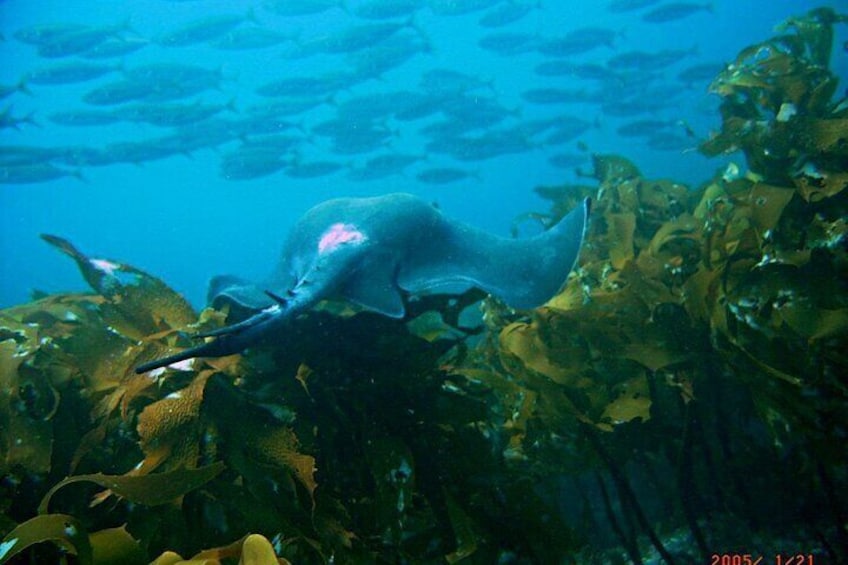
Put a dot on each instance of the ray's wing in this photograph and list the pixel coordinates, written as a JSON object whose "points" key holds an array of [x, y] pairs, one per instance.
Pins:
{"points": [[235, 291], [524, 273], [374, 286]]}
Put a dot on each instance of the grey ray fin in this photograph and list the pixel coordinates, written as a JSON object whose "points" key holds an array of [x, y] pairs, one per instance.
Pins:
{"points": [[229, 289], [375, 289], [524, 273]]}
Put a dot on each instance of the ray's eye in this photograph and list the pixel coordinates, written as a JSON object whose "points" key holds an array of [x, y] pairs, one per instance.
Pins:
{"points": [[339, 234]]}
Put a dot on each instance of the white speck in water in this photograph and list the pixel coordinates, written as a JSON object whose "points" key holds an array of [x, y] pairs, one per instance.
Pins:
{"points": [[787, 110], [404, 470], [812, 171], [449, 387], [731, 172], [6, 546], [184, 365]]}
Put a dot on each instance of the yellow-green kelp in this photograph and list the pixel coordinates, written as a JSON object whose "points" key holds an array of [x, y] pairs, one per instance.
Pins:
{"points": [[688, 378]]}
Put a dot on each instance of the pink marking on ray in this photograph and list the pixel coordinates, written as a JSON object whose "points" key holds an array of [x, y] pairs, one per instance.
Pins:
{"points": [[105, 266], [339, 234]]}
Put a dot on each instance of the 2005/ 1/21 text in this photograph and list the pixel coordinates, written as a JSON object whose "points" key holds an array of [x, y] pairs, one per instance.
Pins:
{"points": [[751, 559]]}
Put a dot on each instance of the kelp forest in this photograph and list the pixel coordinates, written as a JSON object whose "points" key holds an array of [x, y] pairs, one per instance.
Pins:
{"points": [[682, 400]]}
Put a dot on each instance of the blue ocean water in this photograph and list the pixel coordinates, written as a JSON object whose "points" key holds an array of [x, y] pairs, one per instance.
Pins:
{"points": [[132, 193]]}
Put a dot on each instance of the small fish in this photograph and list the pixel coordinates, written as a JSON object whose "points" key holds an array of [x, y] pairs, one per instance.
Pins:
{"points": [[643, 128], [21, 155], [509, 43], [618, 6], [173, 81], [386, 9], [393, 162], [38, 172], [355, 142], [567, 130], [649, 61], [353, 38], [252, 37], [171, 115], [383, 166], [201, 135], [284, 107], [114, 47], [389, 54], [448, 81], [314, 169], [445, 175], [493, 143], [531, 128], [117, 93], [201, 31], [10, 121], [138, 152], [477, 112], [78, 41], [8, 90], [159, 74], [675, 11], [280, 142], [578, 41], [75, 118], [300, 7], [626, 108], [557, 96], [259, 125], [306, 86], [446, 129], [69, 73], [79, 156], [507, 13], [704, 72], [419, 106], [460, 7], [46, 33], [376, 105], [251, 163], [670, 141], [564, 67]]}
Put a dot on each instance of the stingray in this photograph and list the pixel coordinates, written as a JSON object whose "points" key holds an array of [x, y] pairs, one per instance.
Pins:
{"points": [[373, 251]]}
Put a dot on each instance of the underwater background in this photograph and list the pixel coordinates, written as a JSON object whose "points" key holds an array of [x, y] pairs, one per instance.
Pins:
{"points": [[164, 202], [681, 400]]}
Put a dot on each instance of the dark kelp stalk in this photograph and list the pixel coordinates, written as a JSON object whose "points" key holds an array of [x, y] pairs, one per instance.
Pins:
{"points": [[683, 396]]}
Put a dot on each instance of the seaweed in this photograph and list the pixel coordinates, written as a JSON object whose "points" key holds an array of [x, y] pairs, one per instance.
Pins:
{"points": [[701, 337]]}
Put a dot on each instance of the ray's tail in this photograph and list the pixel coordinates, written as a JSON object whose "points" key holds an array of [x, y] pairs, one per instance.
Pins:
{"points": [[228, 340], [198, 351]]}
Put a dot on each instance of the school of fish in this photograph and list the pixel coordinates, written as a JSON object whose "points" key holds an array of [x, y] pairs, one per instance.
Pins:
{"points": [[384, 88]]}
